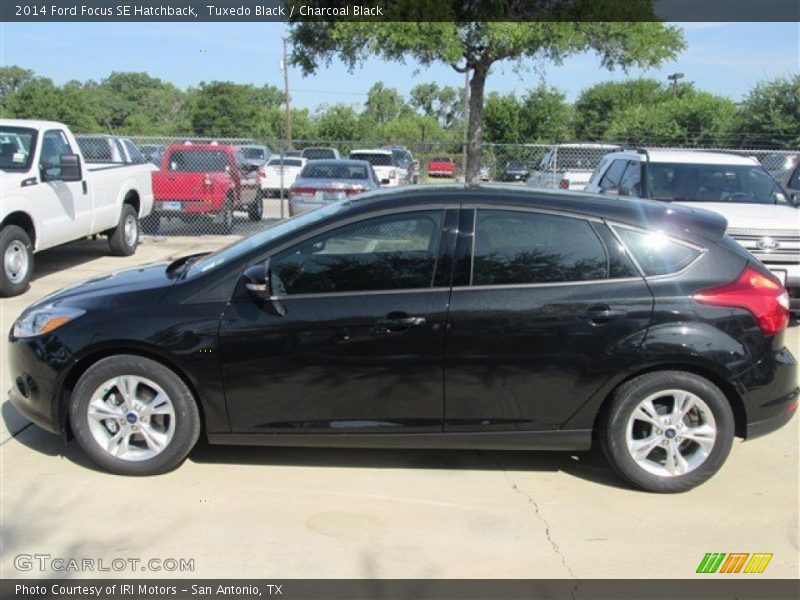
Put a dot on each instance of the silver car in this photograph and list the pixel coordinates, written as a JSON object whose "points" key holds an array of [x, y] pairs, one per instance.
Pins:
{"points": [[255, 155], [324, 181]]}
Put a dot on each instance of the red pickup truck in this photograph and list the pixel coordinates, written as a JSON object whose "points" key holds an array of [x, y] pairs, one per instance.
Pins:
{"points": [[442, 166], [204, 181]]}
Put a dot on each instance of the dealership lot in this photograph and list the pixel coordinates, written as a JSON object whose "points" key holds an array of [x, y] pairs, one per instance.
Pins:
{"points": [[293, 512]]}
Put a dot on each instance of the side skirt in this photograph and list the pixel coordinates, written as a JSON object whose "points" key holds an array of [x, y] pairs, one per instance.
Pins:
{"points": [[579, 439]]}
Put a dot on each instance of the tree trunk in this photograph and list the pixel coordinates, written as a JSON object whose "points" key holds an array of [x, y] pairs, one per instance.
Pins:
{"points": [[475, 131]]}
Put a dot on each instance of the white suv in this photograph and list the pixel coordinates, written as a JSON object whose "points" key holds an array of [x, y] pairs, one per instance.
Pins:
{"points": [[761, 215]]}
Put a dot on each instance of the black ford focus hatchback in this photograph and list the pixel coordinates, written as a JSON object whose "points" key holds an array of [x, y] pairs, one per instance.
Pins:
{"points": [[434, 317]]}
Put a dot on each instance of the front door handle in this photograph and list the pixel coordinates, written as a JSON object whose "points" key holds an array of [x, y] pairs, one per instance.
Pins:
{"points": [[602, 313], [399, 321]]}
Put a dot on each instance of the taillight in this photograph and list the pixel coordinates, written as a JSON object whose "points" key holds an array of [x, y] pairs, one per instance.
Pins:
{"points": [[564, 184], [207, 181], [354, 191], [262, 173], [763, 296], [302, 191]]}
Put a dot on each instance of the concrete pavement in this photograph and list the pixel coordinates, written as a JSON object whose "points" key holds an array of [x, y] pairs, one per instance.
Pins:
{"points": [[294, 512]]}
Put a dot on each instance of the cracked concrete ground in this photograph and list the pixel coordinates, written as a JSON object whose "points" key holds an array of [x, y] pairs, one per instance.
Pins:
{"points": [[294, 512]]}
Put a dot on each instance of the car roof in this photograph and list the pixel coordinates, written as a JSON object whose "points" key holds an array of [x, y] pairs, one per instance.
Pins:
{"points": [[600, 145], [32, 124], [203, 146], [371, 151], [677, 220], [700, 157], [339, 161]]}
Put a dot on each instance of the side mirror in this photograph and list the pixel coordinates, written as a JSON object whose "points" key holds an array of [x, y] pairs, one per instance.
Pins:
{"points": [[68, 169], [256, 281]]}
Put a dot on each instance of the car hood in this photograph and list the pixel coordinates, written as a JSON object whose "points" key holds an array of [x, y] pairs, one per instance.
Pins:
{"points": [[753, 216], [145, 284]]}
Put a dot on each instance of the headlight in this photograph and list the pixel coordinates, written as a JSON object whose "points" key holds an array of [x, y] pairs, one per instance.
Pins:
{"points": [[42, 320]]}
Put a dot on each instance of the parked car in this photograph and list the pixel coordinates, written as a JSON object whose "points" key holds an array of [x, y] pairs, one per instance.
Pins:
{"points": [[406, 161], [390, 174], [322, 182], [569, 166], [639, 325], [106, 150], [441, 166], [293, 153], [49, 195], [271, 179], [256, 156], [485, 173], [761, 215], [320, 153], [790, 179], [516, 170], [204, 181], [153, 153]]}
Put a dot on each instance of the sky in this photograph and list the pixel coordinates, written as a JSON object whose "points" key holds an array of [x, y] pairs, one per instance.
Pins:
{"points": [[724, 58]]}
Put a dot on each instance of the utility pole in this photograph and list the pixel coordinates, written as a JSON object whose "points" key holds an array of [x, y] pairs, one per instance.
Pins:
{"points": [[674, 79], [288, 102], [466, 120]]}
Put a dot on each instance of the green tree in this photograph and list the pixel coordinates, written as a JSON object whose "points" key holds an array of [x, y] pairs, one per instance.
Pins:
{"points": [[339, 122], [445, 104], [546, 116], [138, 103], [11, 79], [384, 104], [475, 47], [596, 105], [40, 98], [224, 109], [502, 119], [769, 116]]}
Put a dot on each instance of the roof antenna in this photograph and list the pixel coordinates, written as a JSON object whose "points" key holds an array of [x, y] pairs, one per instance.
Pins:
{"points": [[110, 130]]}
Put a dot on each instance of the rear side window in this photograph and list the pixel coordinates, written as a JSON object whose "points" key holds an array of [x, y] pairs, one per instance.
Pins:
{"points": [[514, 247], [656, 253]]}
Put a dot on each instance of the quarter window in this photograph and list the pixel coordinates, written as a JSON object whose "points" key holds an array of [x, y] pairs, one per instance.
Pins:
{"points": [[513, 247], [656, 253], [385, 253]]}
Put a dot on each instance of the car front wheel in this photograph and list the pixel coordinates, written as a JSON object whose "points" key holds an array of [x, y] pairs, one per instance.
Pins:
{"points": [[667, 431], [16, 250], [134, 416]]}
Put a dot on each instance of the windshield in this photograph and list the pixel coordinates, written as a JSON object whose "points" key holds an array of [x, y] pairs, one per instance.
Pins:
{"points": [[318, 153], [517, 165], [334, 170], [742, 184], [252, 153], [241, 247], [442, 159], [287, 162], [375, 159], [198, 161], [17, 145]]}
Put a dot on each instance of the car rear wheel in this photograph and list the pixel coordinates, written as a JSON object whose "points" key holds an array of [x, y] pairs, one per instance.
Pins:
{"points": [[256, 209], [134, 416], [124, 238], [226, 216], [16, 251], [667, 431]]}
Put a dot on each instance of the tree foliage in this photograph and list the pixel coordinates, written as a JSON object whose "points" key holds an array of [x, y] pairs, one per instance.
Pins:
{"points": [[770, 114]]}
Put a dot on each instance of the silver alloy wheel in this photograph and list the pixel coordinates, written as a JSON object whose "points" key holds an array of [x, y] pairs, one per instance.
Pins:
{"points": [[131, 417], [130, 231], [15, 261], [671, 433]]}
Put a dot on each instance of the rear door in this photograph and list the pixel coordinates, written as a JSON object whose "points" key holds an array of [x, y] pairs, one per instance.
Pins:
{"points": [[544, 309]]}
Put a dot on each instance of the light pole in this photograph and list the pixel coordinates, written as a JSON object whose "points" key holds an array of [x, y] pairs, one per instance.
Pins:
{"points": [[674, 79]]}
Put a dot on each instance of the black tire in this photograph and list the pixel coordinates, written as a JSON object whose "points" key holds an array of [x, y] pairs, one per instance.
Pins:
{"points": [[226, 216], [614, 422], [187, 417], [151, 224], [255, 211], [125, 236], [13, 282]]}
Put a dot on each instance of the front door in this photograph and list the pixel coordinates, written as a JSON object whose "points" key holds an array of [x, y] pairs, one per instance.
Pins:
{"points": [[353, 342], [545, 308]]}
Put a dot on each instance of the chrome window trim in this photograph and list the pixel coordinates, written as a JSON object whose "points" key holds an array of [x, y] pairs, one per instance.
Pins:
{"points": [[511, 286], [360, 293]]}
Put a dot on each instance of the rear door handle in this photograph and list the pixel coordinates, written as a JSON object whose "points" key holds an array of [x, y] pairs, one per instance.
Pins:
{"points": [[399, 322], [602, 313]]}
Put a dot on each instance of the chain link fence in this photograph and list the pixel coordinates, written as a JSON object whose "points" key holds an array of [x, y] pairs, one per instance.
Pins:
{"points": [[237, 186]]}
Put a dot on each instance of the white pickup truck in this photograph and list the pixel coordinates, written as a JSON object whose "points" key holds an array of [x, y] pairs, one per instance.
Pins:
{"points": [[49, 196], [568, 166]]}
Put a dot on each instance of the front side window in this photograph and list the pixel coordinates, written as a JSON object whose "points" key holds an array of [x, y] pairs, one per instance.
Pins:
{"points": [[630, 184], [384, 253], [794, 182], [611, 179], [656, 253], [514, 247], [54, 145]]}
